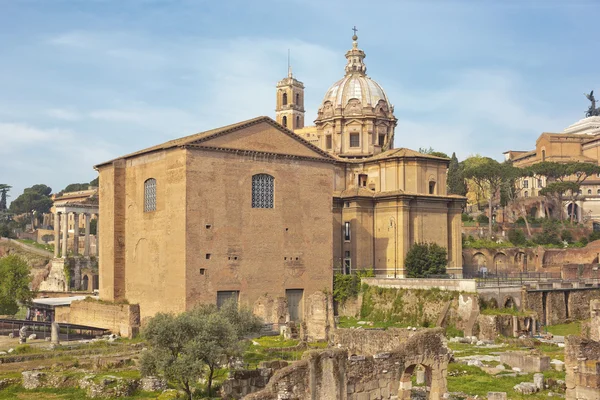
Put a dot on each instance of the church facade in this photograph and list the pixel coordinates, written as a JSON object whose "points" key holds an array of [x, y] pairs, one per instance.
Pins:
{"points": [[266, 210]]}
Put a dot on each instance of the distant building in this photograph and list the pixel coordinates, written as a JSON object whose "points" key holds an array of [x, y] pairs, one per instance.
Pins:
{"points": [[579, 142]]}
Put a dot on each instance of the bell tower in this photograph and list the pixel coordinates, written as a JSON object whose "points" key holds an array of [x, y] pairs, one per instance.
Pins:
{"points": [[289, 110]]}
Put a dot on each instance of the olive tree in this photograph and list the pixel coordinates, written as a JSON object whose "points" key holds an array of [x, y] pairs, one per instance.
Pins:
{"points": [[186, 347]]}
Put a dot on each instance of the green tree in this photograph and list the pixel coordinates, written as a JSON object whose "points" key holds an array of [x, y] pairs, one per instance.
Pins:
{"points": [[423, 259], [185, 347], [14, 284], [432, 152], [93, 226], [35, 198], [95, 182], [75, 187], [579, 172], [4, 189], [456, 180], [488, 175]]}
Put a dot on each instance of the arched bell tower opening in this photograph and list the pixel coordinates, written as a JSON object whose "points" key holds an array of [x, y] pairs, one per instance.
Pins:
{"points": [[289, 110]]}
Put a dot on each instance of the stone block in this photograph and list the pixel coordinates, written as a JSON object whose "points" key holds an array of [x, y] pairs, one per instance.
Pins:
{"points": [[538, 381], [497, 396], [420, 377]]}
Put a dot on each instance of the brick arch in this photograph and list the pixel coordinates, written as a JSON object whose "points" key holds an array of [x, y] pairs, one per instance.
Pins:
{"points": [[435, 376], [500, 261], [479, 260]]}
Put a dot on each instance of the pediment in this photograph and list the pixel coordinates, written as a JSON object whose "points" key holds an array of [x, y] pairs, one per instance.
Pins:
{"points": [[264, 136]]}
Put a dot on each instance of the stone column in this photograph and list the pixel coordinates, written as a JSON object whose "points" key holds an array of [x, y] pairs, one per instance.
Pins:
{"points": [[56, 234], [76, 234], [86, 249], [65, 230], [54, 334], [97, 235]]}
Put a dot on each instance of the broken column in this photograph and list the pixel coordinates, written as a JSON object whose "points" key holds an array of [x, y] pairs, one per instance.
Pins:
{"points": [[55, 330]]}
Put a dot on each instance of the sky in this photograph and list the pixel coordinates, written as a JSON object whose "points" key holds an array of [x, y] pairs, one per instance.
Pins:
{"points": [[85, 81]]}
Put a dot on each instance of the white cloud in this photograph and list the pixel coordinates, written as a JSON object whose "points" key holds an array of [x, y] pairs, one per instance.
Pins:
{"points": [[63, 114]]}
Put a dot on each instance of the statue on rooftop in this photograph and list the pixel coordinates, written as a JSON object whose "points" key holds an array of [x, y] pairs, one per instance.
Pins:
{"points": [[592, 110]]}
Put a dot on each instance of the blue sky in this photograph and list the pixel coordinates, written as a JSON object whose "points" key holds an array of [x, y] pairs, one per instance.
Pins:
{"points": [[84, 81]]}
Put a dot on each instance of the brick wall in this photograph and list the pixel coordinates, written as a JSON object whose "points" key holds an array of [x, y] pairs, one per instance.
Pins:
{"points": [[122, 319]]}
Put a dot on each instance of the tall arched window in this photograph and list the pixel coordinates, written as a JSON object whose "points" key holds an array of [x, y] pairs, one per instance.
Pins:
{"points": [[284, 121], [285, 99], [262, 191], [297, 98], [297, 121], [150, 195]]}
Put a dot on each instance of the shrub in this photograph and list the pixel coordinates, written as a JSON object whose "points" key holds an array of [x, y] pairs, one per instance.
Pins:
{"points": [[594, 236], [348, 286], [517, 237], [466, 218], [566, 235], [483, 219], [549, 234], [425, 259]]}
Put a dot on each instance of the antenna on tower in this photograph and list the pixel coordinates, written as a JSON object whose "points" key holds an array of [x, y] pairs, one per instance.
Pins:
{"points": [[289, 65]]}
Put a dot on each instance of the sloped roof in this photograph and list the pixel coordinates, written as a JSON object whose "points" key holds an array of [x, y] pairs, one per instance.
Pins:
{"points": [[401, 152], [202, 136]]}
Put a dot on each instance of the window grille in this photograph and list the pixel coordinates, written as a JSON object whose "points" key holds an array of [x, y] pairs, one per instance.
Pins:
{"points": [[262, 191], [328, 142], [150, 195], [354, 140]]}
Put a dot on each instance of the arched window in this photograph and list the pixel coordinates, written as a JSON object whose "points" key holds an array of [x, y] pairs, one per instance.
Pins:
{"points": [[297, 121], [543, 155], [85, 283], [589, 191], [431, 187], [598, 192], [526, 194], [284, 121], [150, 195], [262, 191], [297, 99], [285, 99]]}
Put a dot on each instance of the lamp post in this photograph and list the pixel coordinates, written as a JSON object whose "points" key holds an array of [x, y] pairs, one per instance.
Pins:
{"points": [[393, 225]]}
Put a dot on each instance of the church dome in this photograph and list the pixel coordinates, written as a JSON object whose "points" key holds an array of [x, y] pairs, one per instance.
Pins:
{"points": [[355, 86]]}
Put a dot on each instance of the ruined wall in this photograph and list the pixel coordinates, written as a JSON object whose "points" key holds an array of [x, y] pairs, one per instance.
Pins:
{"points": [[594, 323], [526, 361], [243, 382], [419, 307], [582, 363], [370, 341], [271, 310], [319, 317], [489, 327], [122, 319], [331, 375], [558, 306]]}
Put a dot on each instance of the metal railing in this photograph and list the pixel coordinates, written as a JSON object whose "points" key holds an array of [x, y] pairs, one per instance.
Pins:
{"points": [[512, 279]]}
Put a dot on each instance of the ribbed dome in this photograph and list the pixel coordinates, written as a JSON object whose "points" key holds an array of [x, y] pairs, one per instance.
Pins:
{"points": [[355, 86]]}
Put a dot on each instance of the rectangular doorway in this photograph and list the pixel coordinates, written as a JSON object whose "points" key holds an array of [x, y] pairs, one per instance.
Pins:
{"points": [[294, 301], [225, 296]]}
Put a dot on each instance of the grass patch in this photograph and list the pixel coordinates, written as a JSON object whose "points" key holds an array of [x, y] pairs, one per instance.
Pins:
{"points": [[474, 381], [573, 328], [350, 322], [276, 341], [35, 244]]}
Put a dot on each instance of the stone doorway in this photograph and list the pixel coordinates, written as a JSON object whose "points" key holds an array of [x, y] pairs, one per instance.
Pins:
{"points": [[294, 301], [415, 382]]}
